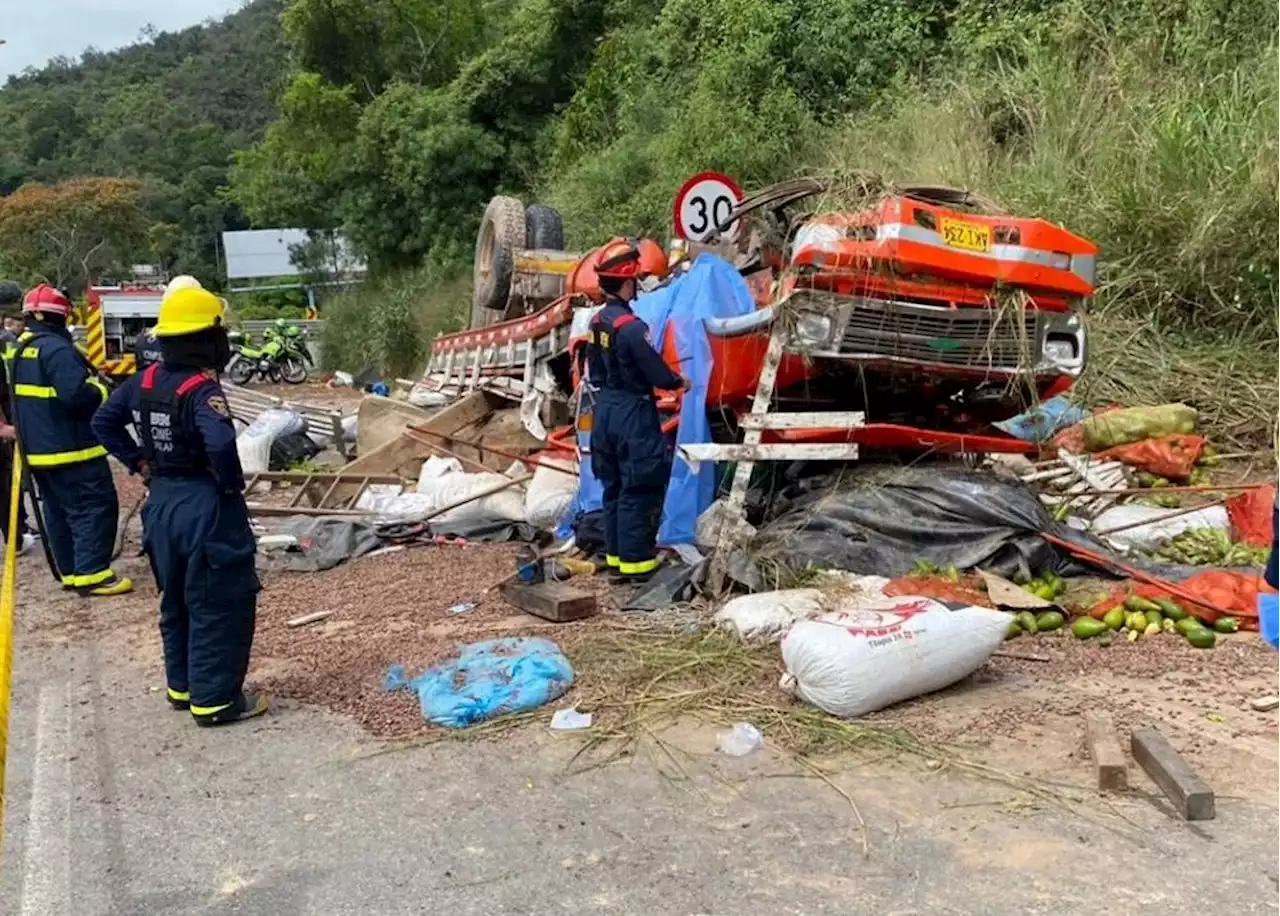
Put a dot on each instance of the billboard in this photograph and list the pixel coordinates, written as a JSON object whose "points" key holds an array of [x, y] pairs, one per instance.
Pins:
{"points": [[257, 253]]}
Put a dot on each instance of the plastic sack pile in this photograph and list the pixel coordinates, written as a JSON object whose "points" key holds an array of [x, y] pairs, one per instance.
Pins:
{"points": [[877, 652], [488, 679]]}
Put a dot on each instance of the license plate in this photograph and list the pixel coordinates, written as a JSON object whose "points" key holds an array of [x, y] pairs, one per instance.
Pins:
{"points": [[969, 236]]}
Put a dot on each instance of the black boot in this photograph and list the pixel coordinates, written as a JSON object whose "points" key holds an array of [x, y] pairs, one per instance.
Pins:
{"points": [[248, 706]]}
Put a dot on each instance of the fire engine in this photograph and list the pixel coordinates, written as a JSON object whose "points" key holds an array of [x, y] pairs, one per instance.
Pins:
{"points": [[114, 317]]}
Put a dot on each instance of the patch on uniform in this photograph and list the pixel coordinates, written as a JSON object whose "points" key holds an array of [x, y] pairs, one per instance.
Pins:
{"points": [[218, 404]]}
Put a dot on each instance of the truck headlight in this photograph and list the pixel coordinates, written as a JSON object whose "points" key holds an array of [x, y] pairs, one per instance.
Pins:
{"points": [[813, 329], [1062, 349]]}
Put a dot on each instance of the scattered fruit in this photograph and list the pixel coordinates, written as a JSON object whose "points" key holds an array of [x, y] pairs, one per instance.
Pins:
{"points": [[1027, 621], [1105, 639], [1154, 618], [1133, 636], [1169, 626], [1151, 630], [1049, 620], [1187, 624], [1226, 625], [1136, 621], [1013, 631], [1201, 637], [1170, 608], [1086, 627], [1210, 547], [1138, 603], [1114, 618]]}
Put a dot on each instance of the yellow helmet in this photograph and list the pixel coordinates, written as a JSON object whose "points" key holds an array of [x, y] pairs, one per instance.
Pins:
{"points": [[185, 281], [187, 311]]}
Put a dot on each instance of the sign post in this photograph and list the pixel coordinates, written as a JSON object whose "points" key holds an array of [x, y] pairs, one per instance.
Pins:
{"points": [[702, 203]]}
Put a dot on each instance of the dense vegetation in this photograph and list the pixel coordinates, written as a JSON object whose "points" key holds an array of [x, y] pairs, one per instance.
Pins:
{"points": [[1149, 126], [165, 115]]}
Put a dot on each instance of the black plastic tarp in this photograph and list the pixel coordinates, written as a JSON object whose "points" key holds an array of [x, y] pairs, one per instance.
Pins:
{"points": [[943, 515]]}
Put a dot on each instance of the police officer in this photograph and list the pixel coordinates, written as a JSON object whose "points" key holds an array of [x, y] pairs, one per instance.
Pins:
{"points": [[629, 453], [55, 392], [11, 318], [146, 348], [195, 522]]}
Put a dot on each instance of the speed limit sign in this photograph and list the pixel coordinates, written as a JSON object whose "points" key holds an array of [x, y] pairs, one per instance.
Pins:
{"points": [[704, 202]]}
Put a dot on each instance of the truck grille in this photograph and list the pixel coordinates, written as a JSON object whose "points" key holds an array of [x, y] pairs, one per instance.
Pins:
{"points": [[1002, 339]]}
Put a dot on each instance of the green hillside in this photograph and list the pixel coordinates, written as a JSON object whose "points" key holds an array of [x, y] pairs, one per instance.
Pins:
{"points": [[168, 113]]}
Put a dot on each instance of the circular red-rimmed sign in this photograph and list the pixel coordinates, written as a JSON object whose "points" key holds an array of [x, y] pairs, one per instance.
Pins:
{"points": [[702, 202]]}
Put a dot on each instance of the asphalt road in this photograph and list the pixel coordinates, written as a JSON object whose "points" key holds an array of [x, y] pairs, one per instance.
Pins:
{"points": [[119, 806]]}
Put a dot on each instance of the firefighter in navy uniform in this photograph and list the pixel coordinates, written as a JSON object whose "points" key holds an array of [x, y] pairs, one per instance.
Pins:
{"points": [[195, 522], [629, 453], [55, 392], [146, 348]]}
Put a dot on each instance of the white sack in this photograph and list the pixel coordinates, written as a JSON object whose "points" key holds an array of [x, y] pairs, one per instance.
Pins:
{"points": [[873, 653], [422, 396], [254, 444], [442, 482], [550, 492], [1158, 529], [767, 615]]}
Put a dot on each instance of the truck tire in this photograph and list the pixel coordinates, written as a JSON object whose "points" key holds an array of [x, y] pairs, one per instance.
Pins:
{"points": [[501, 232], [543, 228], [501, 265]]}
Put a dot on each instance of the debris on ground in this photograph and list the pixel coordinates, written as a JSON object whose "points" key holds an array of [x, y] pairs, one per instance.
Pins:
{"points": [[488, 679]]}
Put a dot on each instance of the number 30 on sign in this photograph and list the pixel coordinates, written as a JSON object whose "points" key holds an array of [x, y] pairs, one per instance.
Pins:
{"points": [[703, 202]]}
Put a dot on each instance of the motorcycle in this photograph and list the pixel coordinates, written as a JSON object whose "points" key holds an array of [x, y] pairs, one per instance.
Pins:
{"points": [[283, 357]]}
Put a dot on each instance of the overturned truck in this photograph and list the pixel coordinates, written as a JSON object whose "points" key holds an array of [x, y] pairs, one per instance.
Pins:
{"points": [[928, 311]]}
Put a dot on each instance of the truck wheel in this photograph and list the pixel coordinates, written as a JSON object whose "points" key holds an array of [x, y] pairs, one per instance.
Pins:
{"points": [[543, 228], [501, 265], [501, 232]]}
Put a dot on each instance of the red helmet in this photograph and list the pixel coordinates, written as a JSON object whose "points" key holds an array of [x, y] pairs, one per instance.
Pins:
{"points": [[45, 298], [619, 260]]}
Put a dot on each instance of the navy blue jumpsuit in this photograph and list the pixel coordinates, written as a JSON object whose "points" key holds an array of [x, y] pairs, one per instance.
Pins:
{"points": [[629, 453], [9, 345], [56, 391], [195, 527]]}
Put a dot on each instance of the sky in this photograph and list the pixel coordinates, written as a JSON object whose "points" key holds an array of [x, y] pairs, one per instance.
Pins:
{"points": [[36, 30]]}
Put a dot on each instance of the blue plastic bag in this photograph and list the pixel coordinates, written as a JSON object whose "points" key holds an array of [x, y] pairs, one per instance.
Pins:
{"points": [[1040, 423], [487, 679], [1269, 619]]}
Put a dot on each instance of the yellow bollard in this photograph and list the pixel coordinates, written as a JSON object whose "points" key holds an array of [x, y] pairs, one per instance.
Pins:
{"points": [[7, 594]]}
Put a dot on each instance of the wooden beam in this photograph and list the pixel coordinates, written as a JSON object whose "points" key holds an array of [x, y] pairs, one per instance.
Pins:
{"points": [[1191, 797], [558, 602], [835, 419], [1104, 748]]}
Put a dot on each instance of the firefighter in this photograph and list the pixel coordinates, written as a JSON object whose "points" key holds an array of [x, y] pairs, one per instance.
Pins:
{"points": [[146, 349], [195, 523], [629, 453], [11, 315], [55, 392]]}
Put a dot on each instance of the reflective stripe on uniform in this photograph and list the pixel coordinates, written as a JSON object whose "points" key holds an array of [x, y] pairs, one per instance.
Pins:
{"points": [[93, 578], [54, 459], [208, 710], [100, 385], [67, 580], [35, 391], [611, 560], [179, 696], [635, 569]]}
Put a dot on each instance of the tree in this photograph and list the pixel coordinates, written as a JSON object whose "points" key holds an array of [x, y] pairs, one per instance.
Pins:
{"points": [[69, 232], [298, 174]]}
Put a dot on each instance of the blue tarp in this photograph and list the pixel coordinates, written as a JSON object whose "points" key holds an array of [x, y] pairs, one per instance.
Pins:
{"points": [[712, 288], [487, 679]]}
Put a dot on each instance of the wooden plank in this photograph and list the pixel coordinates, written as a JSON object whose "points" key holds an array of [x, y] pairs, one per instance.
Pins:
{"points": [[736, 501], [1191, 796], [313, 617], [773, 451], [558, 602], [837, 419], [1104, 749]]}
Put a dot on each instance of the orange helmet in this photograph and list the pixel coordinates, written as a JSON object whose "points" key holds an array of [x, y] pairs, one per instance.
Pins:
{"points": [[625, 259], [619, 260]]}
